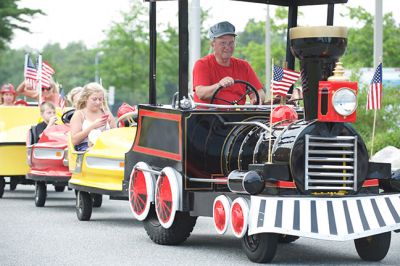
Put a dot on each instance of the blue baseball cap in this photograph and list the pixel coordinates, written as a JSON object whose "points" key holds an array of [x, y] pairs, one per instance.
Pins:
{"points": [[221, 29]]}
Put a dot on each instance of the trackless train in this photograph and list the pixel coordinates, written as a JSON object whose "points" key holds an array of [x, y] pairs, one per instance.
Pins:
{"points": [[308, 177]]}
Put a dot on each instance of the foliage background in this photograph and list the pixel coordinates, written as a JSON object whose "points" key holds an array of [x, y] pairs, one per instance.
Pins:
{"points": [[124, 59]]}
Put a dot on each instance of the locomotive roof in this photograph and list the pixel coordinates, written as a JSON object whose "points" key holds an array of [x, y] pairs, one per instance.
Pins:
{"points": [[282, 2]]}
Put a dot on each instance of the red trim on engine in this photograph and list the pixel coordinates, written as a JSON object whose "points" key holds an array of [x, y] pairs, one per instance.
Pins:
{"points": [[281, 184], [371, 183], [156, 152]]}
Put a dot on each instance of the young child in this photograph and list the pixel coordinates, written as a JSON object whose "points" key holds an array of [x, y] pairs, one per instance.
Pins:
{"points": [[7, 95], [48, 113]]}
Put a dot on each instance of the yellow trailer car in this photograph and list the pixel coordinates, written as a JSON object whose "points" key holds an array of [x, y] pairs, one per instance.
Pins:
{"points": [[15, 122]]}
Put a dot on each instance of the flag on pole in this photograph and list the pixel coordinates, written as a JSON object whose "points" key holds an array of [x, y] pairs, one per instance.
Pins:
{"points": [[47, 72], [374, 99], [30, 72], [61, 99], [283, 79]]}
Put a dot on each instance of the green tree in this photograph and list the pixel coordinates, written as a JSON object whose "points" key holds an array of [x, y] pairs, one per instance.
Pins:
{"points": [[12, 17], [74, 64], [387, 119], [359, 52], [11, 66], [125, 60]]}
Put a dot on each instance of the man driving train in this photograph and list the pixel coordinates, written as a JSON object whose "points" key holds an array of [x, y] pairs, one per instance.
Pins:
{"points": [[220, 69]]}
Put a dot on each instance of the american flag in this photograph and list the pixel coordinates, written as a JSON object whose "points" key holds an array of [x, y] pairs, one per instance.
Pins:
{"points": [[374, 99], [47, 72], [283, 79], [61, 99], [30, 72]]}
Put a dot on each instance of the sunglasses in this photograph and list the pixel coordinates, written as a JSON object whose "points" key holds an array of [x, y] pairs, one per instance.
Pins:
{"points": [[46, 89]]}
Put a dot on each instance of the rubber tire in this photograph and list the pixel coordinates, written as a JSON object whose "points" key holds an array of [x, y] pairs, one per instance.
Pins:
{"points": [[13, 183], [2, 185], [40, 193], [286, 239], [262, 252], [97, 200], [83, 206], [59, 188], [178, 232], [373, 248]]}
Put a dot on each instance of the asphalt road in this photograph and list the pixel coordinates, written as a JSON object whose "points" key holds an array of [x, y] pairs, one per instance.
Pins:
{"points": [[53, 236]]}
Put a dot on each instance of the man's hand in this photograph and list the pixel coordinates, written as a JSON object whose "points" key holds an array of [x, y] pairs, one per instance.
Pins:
{"points": [[226, 82]]}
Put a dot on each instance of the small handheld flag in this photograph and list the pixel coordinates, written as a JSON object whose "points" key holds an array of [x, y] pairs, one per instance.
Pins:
{"points": [[30, 72], [61, 99], [283, 79], [374, 99], [47, 72]]}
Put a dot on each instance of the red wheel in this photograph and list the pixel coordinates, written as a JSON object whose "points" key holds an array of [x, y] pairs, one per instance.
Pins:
{"points": [[167, 197], [141, 191], [221, 209], [239, 217]]}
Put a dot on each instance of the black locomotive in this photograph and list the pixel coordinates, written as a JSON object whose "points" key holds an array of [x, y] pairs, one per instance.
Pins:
{"points": [[271, 176]]}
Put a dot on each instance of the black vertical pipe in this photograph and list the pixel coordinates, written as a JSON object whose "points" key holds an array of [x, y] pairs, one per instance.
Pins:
{"points": [[153, 53], [183, 49], [331, 11], [292, 22]]}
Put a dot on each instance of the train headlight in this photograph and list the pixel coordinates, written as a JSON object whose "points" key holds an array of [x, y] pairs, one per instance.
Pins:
{"points": [[344, 101]]}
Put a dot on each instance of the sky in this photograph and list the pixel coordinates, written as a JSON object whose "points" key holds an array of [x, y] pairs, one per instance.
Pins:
{"points": [[86, 20]]}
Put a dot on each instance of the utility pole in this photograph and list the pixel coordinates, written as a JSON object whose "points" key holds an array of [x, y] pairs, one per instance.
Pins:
{"points": [[378, 32], [267, 53]]}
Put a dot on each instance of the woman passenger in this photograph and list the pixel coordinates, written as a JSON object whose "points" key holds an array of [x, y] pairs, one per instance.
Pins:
{"points": [[50, 94], [91, 117]]}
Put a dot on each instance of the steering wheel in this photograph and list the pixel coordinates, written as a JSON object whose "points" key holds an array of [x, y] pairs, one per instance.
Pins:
{"points": [[249, 88], [66, 117], [130, 117]]}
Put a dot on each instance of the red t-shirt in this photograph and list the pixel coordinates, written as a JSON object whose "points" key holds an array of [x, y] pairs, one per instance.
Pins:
{"points": [[207, 71]]}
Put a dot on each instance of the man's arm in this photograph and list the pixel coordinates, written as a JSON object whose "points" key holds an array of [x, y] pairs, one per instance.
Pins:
{"points": [[261, 93], [206, 92]]}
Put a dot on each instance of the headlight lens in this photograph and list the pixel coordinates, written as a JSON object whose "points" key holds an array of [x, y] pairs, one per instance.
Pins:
{"points": [[344, 101]]}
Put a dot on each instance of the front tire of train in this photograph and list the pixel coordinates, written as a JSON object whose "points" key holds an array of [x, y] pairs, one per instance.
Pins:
{"points": [[286, 239], [260, 248], [84, 203], [177, 233], [40, 193], [373, 248]]}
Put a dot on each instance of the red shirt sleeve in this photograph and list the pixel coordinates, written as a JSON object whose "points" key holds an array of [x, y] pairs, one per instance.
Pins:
{"points": [[201, 74]]}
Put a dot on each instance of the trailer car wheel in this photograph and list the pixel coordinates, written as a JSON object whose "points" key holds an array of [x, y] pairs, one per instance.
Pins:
{"points": [[373, 248], [177, 233], [13, 183], [59, 188], [260, 248], [286, 239], [97, 200], [2, 185], [40, 193], [84, 204]]}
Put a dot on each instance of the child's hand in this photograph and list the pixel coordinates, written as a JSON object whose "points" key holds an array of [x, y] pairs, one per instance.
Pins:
{"points": [[52, 121]]}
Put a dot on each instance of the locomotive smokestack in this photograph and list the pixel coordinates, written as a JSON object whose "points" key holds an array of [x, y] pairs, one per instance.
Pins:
{"points": [[318, 49]]}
